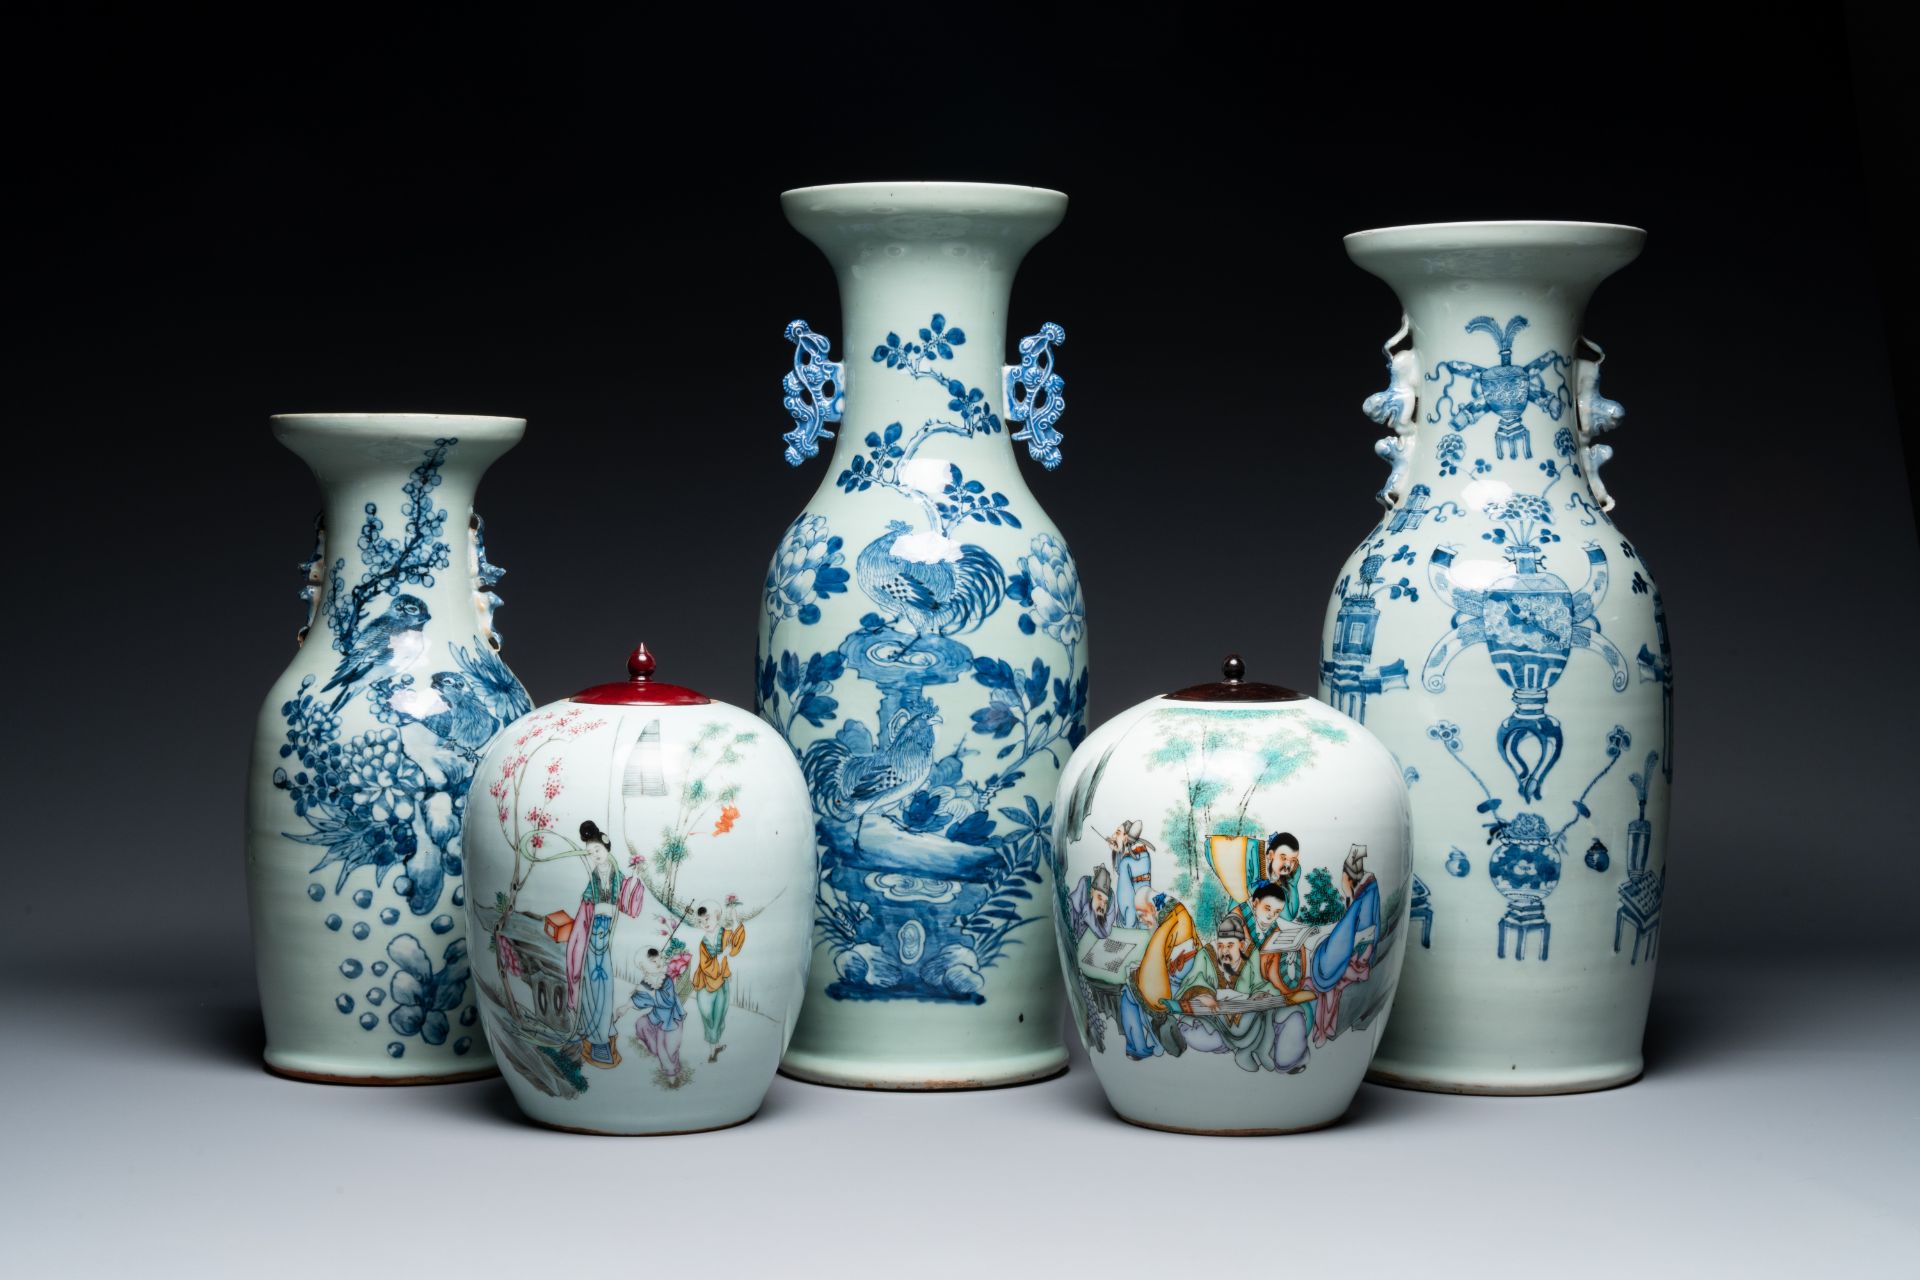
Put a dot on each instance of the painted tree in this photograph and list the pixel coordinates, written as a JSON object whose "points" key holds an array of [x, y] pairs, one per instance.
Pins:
{"points": [[1208, 747], [1324, 905]]}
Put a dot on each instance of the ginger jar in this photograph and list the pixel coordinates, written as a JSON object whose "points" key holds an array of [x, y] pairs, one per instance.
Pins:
{"points": [[640, 895], [1232, 893]]}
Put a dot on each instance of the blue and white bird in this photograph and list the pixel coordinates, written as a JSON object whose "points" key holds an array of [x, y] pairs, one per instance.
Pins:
{"points": [[463, 719], [387, 646], [938, 588], [851, 776]]}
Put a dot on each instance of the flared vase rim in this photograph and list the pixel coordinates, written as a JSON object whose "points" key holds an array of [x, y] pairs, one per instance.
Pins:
{"points": [[1477, 233], [923, 187], [357, 418]]}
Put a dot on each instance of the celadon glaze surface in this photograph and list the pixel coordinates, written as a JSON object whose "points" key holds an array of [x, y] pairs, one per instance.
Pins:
{"points": [[364, 755], [1231, 909], [640, 896], [1506, 640], [922, 642]]}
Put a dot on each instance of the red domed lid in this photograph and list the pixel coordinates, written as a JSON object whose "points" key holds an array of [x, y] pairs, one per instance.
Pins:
{"points": [[641, 690], [1233, 686]]}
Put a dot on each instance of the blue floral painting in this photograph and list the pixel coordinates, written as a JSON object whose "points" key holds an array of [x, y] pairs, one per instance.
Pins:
{"points": [[931, 849], [385, 806]]}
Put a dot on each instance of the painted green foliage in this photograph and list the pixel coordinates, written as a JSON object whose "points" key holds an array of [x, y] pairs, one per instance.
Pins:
{"points": [[1226, 759], [1324, 904]]}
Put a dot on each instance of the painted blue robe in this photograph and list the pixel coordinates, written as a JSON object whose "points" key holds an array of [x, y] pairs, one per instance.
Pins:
{"points": [[596, 990], [1132, 872]]}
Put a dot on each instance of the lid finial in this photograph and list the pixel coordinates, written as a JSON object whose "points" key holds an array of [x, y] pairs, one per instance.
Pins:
{"points": [[640, 689], [640, 662], [1233, 686]]}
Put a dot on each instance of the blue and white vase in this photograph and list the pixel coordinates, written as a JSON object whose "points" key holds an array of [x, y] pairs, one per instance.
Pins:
{"points": [[366, 750], [1506, 641], [922, 643]]}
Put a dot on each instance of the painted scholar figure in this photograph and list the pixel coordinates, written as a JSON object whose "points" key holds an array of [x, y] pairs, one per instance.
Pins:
{"points": [[721, 935], [1132, 875], [1090, 906], [1345, 956], [609, 892]]}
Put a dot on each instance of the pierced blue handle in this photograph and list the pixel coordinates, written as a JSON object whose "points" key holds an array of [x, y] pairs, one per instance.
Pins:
{"points": [[814, 395], [1037, 396]]}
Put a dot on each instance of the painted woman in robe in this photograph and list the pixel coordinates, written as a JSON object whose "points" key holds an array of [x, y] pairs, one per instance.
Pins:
{"points": [[609, 893]]}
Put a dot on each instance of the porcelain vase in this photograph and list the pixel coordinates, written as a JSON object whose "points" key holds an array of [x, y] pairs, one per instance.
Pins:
{"points": [[1232, 906], [922, 642], [641, 897], [1505, 639], [365, 751]]}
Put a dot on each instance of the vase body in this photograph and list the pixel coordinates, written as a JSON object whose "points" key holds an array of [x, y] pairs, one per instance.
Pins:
{"points": [[641, 898], [1505, 640], [922, 645], [1232, 907], [365, 751]]}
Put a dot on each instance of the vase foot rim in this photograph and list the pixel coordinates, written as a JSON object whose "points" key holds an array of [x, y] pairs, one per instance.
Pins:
{"points": [[834, 1073], [642, 1133], [1537, 1086], [328, 1077], [1197, 1131]]}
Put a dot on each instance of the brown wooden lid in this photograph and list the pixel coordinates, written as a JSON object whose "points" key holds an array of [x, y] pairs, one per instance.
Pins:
{"points": [[640, 689], [1235, 687]]}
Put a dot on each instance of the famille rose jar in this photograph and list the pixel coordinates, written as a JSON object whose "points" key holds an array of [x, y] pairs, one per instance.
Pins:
{"points": [[1505, 639], [640, 889], [923, 641], [364, 755], [1231, 903]]}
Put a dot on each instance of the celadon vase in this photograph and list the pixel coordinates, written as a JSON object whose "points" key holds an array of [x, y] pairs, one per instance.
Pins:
{"points": [[1232, 906], [922, 643], [640, 874], [1505, 639], [365, 755]]}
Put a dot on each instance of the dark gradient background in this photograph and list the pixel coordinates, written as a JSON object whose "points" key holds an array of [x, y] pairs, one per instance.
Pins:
{"points": [[578, 224]]}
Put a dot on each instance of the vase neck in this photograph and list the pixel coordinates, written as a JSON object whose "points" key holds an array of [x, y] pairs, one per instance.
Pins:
{"points": [[397, 527], [1490, 368], [925, 273]]}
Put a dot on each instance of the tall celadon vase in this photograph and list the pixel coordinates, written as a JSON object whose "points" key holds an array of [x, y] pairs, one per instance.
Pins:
{"points": [[922, 643], [366, 751], [1505, 640]]}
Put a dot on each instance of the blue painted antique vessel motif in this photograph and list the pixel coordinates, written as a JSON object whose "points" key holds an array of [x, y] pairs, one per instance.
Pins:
{"points": [[1526, 979]]}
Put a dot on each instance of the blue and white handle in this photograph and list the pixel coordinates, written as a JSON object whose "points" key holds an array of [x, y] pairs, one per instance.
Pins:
{"points": [[814, 393], [1036, 395], [1594, 415]]}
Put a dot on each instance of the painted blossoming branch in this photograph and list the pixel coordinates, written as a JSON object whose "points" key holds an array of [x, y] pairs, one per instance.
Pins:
{"points": [[528, 822], [948, 497], [394, 563]]}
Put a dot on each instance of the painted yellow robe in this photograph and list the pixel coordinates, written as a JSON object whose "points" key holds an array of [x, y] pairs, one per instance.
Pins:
{"points": [[713, 970]]}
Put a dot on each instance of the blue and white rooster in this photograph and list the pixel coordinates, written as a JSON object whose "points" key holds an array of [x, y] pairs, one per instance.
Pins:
{"points": [[851, 776], [937, 588]]}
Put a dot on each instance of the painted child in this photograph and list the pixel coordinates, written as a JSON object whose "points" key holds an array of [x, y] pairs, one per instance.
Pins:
{"points": [[721, 935], [663, 1016], [609, 893]]}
